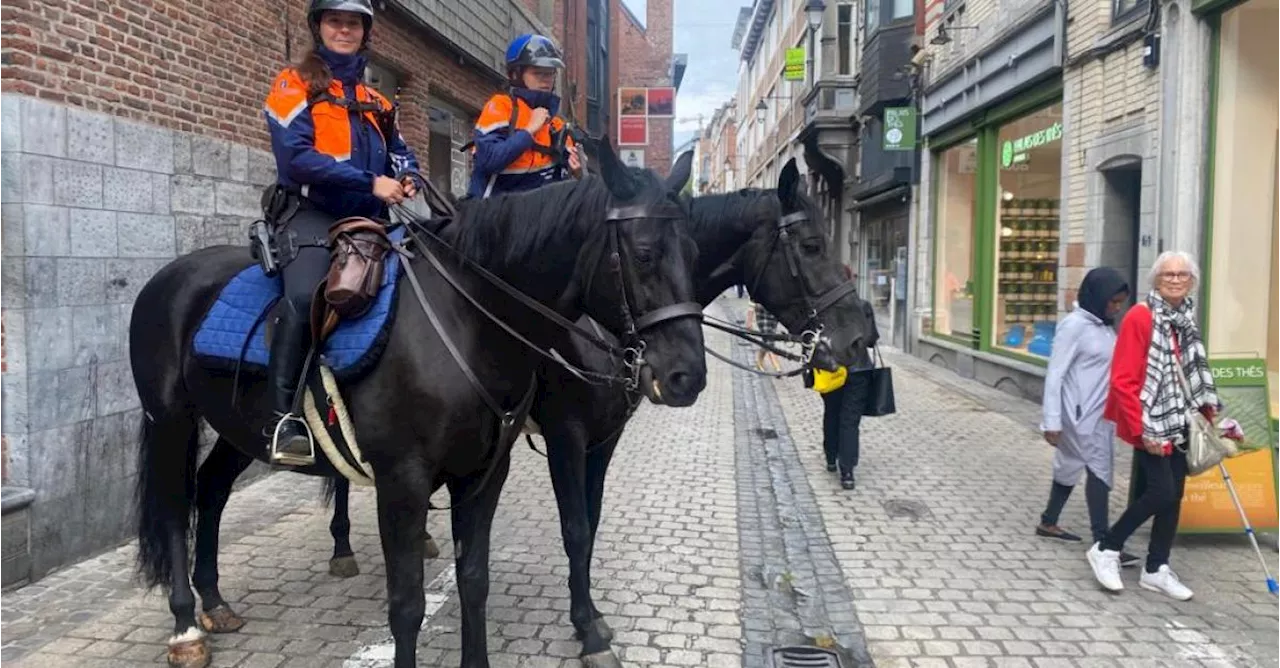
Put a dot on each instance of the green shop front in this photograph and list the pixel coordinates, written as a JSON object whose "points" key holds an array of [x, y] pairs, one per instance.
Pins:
{"points": [[992, 212], [1241, 264]]}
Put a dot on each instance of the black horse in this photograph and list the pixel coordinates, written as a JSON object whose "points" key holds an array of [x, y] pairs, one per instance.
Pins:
{"points": [[771, 241], [441, 407]]}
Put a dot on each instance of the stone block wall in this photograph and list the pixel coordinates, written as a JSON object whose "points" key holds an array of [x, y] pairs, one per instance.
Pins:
{"points": [[93, 206]]}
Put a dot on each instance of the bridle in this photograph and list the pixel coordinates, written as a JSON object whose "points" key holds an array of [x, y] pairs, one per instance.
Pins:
{"points": [[635, 326], [812, 329], [811, 333]]}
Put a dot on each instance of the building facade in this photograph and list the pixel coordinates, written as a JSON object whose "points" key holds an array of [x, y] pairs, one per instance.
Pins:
{"points": [[721, 164], [809, 118], [880, 189], [131, 137], [1060, 142]]}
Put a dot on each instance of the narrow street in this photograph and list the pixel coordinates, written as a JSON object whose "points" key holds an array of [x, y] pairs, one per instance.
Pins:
{"points": [[709, 510]]}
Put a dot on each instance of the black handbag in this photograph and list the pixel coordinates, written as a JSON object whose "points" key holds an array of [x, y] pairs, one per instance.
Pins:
{"points": [[879, 384]]}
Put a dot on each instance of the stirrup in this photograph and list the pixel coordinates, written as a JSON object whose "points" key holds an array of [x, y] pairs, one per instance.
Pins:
{"points": [[288, 458]]}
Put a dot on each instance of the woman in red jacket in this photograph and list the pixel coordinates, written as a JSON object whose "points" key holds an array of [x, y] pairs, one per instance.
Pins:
{"points": [[1149, 407]]}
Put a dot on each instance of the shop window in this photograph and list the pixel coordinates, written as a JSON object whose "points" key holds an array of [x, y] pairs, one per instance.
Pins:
{"points": [[1123, 10], [1241, 313], [953, 285], [1027, 225]]}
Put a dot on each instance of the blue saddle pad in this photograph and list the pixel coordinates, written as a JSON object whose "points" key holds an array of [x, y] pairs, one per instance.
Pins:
{"points": [[239, 315]]}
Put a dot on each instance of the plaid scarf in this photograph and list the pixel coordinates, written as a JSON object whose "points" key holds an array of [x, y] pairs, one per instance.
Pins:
{"points": [[1165, 404]]}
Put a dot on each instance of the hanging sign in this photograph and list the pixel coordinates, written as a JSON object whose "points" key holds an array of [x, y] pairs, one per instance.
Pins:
{"points": [[900, 128], [794, 68]]}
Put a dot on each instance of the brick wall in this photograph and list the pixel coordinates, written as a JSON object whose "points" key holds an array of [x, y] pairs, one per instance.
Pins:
{"points": [[182, 65], [131, 134], [642, 57]]}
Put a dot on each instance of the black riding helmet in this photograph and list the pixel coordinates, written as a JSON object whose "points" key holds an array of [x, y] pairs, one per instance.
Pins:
{"points": [[318, 7], [532, 51]]}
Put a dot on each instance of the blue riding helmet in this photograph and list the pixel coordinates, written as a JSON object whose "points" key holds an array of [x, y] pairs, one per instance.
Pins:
{"points": [[533, 51]]}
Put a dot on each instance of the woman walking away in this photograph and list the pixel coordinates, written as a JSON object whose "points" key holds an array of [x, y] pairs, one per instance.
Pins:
{"points": [[842, 411], [1149, 407], [1075, 393]]}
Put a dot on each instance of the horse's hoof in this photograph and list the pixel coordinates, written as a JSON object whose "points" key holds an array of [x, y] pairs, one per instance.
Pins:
{"points": [[605, 659], [192, 653], [430, 549], [221, 619], [344, 567]]}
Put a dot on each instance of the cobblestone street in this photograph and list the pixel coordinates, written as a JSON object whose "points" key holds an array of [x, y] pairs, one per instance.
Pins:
{"points": [[930, 562]]}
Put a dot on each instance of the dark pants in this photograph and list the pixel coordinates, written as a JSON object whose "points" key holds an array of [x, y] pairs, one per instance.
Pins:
{"points": [[301, 276], [1162, 498], [842, 420], [1096, 493]]}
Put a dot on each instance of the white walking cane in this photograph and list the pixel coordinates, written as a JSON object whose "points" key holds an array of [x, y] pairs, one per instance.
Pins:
{"points": [[1248, 529]]}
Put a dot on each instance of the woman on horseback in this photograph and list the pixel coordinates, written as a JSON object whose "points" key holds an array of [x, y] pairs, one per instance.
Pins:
{"points": [[338, 154], [520, 143]]}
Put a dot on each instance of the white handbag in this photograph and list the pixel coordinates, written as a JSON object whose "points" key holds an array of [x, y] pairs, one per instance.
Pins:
{"points": [[1206, 447]]}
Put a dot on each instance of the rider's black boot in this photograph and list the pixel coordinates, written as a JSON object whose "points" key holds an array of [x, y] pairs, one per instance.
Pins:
{"points": [[291, 444]]}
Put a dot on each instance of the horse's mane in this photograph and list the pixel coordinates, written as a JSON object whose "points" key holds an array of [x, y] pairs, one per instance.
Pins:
{"points": [[513, 227], [741, 209]]}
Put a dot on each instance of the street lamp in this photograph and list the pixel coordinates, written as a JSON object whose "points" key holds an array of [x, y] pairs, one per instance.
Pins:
{"points": [[813, 11], [761, 110]]}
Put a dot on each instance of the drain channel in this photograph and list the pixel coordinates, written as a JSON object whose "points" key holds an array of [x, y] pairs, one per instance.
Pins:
{"points": [[800, 656]]}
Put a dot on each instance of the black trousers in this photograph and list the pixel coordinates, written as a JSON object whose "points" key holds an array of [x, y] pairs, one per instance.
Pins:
{"points": [[842, 421], [1096, 493], [1166, 479], [309, 230]]}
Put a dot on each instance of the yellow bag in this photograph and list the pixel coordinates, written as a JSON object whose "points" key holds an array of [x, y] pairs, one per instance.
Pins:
{"points": [[829, 381]]}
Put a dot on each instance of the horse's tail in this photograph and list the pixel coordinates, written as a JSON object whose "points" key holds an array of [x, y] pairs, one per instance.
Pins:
{"points": [[167, 451]]}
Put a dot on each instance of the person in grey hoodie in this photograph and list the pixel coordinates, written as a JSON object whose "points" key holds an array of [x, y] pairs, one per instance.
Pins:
{"points": [[1075, 392]]}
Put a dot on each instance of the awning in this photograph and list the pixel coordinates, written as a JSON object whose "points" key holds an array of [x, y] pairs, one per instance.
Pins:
{"points": [[901, 192]]}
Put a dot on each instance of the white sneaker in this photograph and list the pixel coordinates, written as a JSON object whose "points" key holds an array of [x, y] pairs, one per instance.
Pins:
{"points": [[1106, 567], [1166, 582]]}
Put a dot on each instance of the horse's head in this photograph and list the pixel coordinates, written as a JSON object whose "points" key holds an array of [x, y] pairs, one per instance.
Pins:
{"points": [[636, 276], [792, 270]]}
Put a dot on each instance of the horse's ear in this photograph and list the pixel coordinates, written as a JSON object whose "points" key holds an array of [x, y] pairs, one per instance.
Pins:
{"points": [[680, 172], [615, 174], [788, 184]]}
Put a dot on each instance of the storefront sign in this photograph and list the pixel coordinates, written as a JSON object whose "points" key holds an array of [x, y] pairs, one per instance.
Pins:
{"points": [[632, 157], [794, 70], [1207, 506], [900, 128], [633, 131], [1015, 151]]}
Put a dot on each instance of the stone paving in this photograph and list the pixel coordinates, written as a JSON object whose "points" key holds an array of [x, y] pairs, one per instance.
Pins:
{"points": [[930, 562], [666, 570], [937, 547]]}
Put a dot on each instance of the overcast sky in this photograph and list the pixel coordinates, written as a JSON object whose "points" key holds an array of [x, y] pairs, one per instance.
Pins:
{"points": [[703, 30]]}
